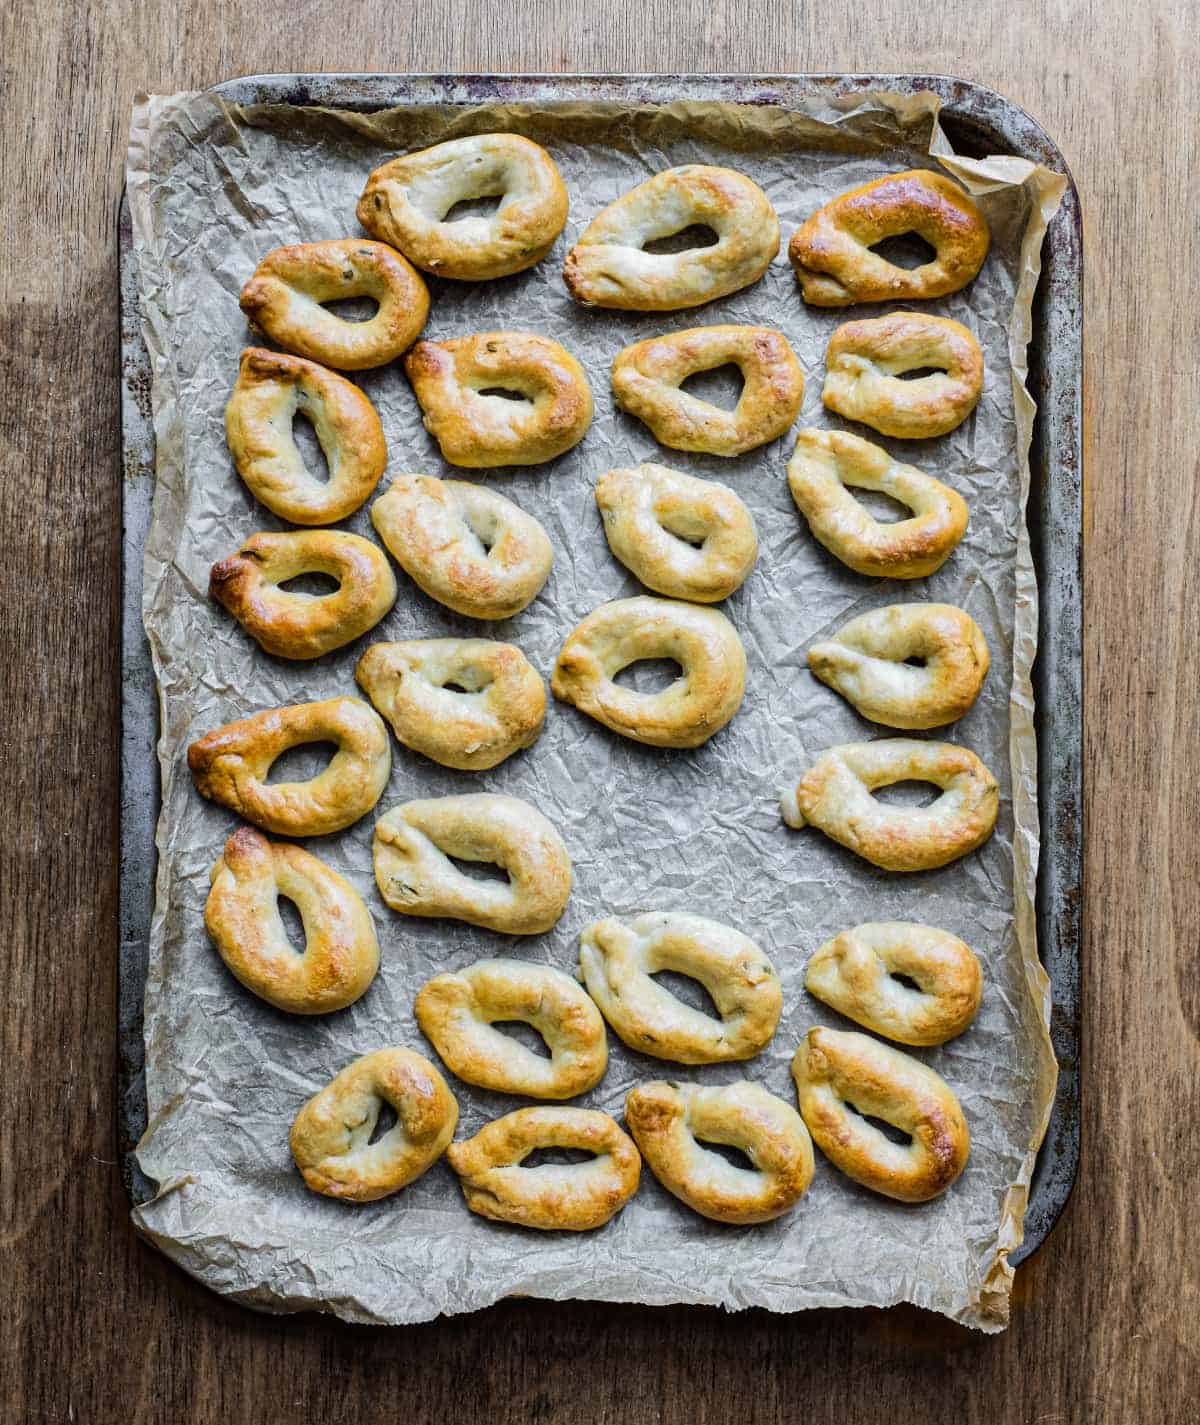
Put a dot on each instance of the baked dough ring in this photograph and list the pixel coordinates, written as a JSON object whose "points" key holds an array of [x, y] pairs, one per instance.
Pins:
{"points": [[500, 709], [230, 766], [341, 953], [835, 796], [855, 973], [619, 955], [683, 537], [406, 201], [298, 625], [465, 546], [608, 267], [482, 431], [671, 1123], [331, 1137], [832, 251], [833, 1069], [690, 710], [285, 299], [414, 843], [574, 1197], [865, 360], [271, 389], [825, 462], [647, 377], [865, 661], [456, 1013]]}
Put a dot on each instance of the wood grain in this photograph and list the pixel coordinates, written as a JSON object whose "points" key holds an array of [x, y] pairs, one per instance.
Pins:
{"points": [[94, 1326]]}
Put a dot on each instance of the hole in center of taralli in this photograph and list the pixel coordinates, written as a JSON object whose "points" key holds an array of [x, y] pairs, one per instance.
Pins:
{"points": [[352, 309], [919, 373], [733, 1156], [556, 1158], [524, 1034], [907, 250], [483, 205], [688, 991], [311, 452], [302, 764], [505, 393], [882, 508], [318, 586], [912, 794], [386, 1121], [695, 235], [889, 1130], [907, 981], [293, 924], [649, 675], [481, 871], [721, 387]]}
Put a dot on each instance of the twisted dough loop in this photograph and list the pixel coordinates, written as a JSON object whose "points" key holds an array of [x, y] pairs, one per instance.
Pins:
{"points": [[607, 267], [230, 766], [833, 1069], [272, 388], [285, 299], [647, 377], [481, 431], [298, 625], [832, 255], [414, 841], [406, 201], [341, 953], [855, 973], [575, 1197], [456, 1013], [865, 662], [331, 1137], [670, 1124], [825, 462], [690, 710], [618, 957], [500, 709], [835, 796]]}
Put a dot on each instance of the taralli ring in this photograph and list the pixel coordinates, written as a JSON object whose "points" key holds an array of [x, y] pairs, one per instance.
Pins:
{"points": [[609, 267], [833, 1070], [406, 201], [331, 1137], [465, 546], [686, 538], [459, 384], [671, 1123], [832, 251], [687, 712], [835, 796], [870, 662], [865, 361], [414, 843], [827, 464], [857, 973], [647, 377], [456, 1013], [231, 765], [464, 702], [285, 299], [271, 390], [291, 624], [341, 953], [574, 1197], [619, 956]]}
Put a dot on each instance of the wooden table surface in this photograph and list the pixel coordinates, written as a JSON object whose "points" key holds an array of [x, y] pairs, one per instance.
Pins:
{"points": [[95, 1326]]}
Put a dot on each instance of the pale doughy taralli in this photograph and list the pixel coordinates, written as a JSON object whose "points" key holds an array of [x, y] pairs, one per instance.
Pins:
{"points": [[331, 1137], [686, 538], [406, 201], [835, 796], [574, 1197], [272, 389], [341, 953], [285, 299], [866, 661], [688, 711], [464, 702], [456, 1013], [619, 956], [834, 1069], [855, 973], [458, 382], [609, 267], [828, 464], [414, 843], [671, 1123]]}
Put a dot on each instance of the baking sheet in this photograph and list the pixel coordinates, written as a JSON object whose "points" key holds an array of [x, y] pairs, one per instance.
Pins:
{"points": [[211, 189]]}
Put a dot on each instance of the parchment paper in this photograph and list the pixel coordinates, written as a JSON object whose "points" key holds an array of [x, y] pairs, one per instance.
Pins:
{"points": [[212, 189]]}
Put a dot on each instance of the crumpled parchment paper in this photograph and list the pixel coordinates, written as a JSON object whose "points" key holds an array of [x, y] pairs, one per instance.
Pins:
{"points": [[212, 189]]}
